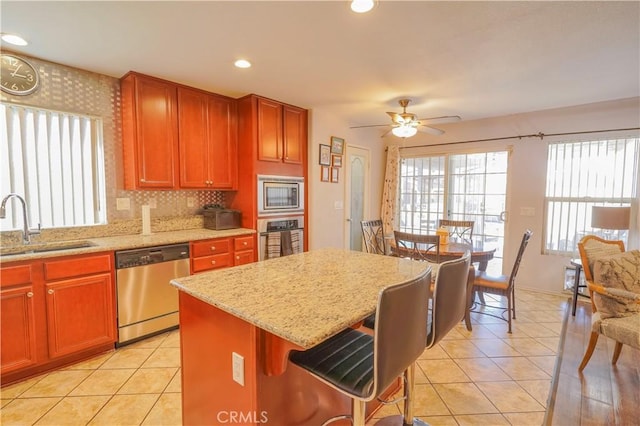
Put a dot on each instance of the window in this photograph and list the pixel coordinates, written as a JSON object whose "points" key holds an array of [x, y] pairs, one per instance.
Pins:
{"points": [[460, 187], [581, 175], [55, 161]]}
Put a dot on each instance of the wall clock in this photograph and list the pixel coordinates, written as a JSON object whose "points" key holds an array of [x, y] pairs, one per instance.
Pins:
{"points": [[18, 77]]}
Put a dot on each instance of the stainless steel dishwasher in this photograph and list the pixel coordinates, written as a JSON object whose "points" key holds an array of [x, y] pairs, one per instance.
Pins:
{"points": [[147, 303]]}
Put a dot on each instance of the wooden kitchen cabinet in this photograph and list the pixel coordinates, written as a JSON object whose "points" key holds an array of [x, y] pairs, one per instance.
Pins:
{"points": [[282, 132], [55, 311], [243, 250], [18, 325], [218, 253], [207, 140], [207, 255], [150, 132], [272, 140], [80, 304]]}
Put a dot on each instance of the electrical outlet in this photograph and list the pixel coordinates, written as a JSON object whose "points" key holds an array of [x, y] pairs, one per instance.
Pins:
{"points": [[338, 205], [123, 203], [237, 362], [191, 201], [152, 203]]}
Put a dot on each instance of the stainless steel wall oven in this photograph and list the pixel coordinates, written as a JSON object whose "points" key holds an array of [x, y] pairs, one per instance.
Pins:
{"points": [[275, 235]]}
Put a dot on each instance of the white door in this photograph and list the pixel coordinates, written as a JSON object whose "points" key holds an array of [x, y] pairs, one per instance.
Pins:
{"points": [[356, 178]]}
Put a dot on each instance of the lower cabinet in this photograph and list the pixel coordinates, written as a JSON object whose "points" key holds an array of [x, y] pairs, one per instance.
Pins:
{"points": [[55, 312], [18, 320], [244, 251], [207, 255], [79, 314]]}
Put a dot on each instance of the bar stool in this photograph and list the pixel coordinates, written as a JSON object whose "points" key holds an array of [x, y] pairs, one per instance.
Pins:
{"points": [[363, 366], [449, 305]]}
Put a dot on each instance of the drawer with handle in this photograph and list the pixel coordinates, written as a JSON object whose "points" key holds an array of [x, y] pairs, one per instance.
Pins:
{"points": [[207, 263], [209, 247]]}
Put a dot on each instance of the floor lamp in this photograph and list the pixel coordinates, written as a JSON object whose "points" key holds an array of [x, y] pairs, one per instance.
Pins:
{"points": [[613, 218]]}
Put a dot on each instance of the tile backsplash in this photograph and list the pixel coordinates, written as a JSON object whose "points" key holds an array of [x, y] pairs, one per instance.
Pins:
{"points": [[167, 203]]}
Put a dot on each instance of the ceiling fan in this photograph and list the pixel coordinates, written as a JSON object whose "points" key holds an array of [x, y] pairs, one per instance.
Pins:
{"points": [[406, 124]]}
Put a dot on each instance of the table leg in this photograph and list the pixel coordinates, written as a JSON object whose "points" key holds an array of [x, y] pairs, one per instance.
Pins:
{"points": [[576, 284]]}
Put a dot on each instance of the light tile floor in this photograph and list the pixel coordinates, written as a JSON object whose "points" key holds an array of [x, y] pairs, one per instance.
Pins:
{"points": [[481, 377]]}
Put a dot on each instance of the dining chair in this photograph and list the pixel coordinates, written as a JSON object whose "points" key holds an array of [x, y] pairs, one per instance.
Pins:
{"points": [[417, 246], [460, 229], [591, 249], [500, 285], [373, 235], [362, 366]]}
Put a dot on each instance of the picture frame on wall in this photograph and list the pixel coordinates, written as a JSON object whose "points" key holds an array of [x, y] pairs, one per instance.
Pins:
{"points": [[334, 174], [337, 145], [336, 161], [324, 173], [325, 155]]}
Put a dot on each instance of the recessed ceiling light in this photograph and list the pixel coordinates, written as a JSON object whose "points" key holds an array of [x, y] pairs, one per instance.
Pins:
{"points": [[14, 39], [362, 6], [242, 63]]}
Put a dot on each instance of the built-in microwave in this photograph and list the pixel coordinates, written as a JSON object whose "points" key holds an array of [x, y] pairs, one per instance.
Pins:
{"points": [[280, 195]]}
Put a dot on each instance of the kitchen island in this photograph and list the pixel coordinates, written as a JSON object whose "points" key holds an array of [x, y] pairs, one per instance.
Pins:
{"points": [[238, 325]]}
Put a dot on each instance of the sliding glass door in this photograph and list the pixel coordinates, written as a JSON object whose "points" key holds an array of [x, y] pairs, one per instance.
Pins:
{"points": [[460, 187]]}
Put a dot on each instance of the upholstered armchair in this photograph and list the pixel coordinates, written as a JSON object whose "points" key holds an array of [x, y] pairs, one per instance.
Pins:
{"points": [[613, 278]]}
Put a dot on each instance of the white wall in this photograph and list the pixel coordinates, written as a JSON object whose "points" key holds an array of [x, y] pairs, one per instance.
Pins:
{"points": [[327, 224], [527, 172]]}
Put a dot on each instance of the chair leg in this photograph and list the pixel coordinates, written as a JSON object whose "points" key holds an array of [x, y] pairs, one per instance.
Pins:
{"points": [[616, 353], [587, 355], [509, 311], [513, 304], [409, 386], [470, 298], [358, 412]]}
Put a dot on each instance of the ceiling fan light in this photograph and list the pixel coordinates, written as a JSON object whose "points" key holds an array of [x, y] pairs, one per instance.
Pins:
{"points": [[362, 6], [404, 131]]}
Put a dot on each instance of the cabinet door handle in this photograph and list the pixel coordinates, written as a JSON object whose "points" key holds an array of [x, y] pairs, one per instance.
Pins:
{"points": [[213, 248], [30, 294], [50, 291], [213, 262], [238, 257], [245, 243]]}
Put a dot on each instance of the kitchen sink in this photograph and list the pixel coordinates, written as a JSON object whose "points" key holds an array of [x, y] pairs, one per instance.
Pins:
{"points": [[43, 247]]}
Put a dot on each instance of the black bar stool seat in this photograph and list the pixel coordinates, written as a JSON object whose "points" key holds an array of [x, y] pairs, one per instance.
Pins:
{"points": [[345, 361]]}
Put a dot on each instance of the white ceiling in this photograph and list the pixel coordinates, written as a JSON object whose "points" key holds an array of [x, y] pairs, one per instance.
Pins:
{"points": [[473, 59]]}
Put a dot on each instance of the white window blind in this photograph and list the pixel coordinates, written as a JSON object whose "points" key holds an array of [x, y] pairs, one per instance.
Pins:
{"points": [[55, 161], [581, 175]]}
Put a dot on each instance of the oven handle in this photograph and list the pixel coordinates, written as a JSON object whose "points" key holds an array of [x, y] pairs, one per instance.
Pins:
{"points": [[277, 232]]}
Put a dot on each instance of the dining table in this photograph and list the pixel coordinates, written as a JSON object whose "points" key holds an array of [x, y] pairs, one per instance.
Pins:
{"points": [[455, 249], [479, 254]]}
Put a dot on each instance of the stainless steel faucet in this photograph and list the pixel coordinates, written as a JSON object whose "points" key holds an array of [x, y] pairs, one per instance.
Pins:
{"points": [[26, 231]]}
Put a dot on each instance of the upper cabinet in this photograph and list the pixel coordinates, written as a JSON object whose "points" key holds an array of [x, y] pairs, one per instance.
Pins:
{"points": [[207, 140], [282, 132], [150, 132], [177, 137]]}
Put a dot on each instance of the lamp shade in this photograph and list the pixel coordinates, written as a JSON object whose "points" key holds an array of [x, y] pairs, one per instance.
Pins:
{"points": [[610, 217], [404, 131]]}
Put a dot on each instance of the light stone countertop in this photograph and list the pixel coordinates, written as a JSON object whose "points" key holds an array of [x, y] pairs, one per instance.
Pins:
{"points": [[120, 242], [303, 298]]}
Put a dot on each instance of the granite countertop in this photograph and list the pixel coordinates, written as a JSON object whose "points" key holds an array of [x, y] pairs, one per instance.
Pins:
{"points": [[303, 298], [120, 242]]}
